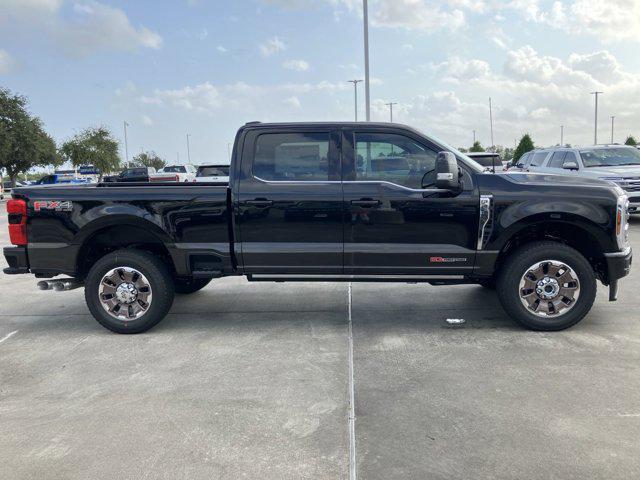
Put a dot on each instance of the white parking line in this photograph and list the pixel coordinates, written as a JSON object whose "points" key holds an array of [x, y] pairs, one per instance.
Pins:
{"points": [[8, 336], [352, 396]]}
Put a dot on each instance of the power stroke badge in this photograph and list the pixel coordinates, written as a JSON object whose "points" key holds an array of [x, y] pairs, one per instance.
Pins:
{"points": [[446, 259]]}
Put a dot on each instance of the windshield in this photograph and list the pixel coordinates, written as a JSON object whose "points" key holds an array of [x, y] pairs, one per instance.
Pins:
{"points": [[174, 169], [610, 157], [220, 171]]}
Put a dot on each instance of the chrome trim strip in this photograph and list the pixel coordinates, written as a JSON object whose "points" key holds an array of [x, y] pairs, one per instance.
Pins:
{"points": [[351, 277], [362, 182], [485, 216], [623, 253]]}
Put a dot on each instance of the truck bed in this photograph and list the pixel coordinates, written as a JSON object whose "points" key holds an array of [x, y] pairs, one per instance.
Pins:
{"points": [[190, 220]]}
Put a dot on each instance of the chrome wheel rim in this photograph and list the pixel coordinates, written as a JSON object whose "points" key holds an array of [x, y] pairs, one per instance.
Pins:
{"points": [[549, 288], [125, 293]]}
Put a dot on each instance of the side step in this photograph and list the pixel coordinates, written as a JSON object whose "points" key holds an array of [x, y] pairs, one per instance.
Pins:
{"points": [[431, 279]]}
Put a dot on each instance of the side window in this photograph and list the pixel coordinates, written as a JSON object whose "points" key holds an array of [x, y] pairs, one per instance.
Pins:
{"points": [[524, 159], [538, 158], [394, 158], [571, 157], [300, 156], [557, 159]]}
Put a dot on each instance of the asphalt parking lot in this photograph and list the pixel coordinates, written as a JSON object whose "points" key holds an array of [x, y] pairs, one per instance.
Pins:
{"points": [[251, 381]]}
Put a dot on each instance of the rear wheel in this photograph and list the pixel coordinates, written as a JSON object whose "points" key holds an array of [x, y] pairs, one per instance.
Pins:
{"points": [[129, 291], [190, 285], [547, 286]]}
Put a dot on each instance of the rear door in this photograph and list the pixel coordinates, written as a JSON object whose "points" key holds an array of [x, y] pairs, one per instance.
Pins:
{"points": [[397, 222], [289, 203]]}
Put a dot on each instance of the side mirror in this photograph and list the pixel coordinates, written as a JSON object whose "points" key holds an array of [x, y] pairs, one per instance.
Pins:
{"points": [[570, 165], [447, 172]]}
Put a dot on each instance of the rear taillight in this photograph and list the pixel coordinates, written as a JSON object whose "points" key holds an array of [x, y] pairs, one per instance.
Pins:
{"points": [[17, 210]]}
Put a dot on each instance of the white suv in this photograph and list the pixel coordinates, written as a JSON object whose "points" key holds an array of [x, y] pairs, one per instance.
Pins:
{"points": [[616, 163]]}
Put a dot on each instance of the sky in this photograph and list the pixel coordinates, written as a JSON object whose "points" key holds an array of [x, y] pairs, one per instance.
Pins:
{"points": [[205, 67]]}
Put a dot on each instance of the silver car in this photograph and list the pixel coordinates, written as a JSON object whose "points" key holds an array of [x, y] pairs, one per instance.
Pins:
{"points": [[617, 163]]}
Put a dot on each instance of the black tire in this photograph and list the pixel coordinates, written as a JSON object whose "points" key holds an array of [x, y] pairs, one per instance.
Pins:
{"points": [[517, 264], [160, 281], [186, 286]]}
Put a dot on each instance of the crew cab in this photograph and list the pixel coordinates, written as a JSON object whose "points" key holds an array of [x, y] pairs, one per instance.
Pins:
{"points": [[174, 173], [328, 202]]}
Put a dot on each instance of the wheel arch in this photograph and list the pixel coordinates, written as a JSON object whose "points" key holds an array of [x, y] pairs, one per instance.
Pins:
{"points": [[106, 235], [581, 234]]}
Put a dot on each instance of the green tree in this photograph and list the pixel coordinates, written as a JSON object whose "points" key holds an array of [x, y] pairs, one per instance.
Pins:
{"points": [[147, 159], [525, 145], [23, 142], [631, 141], [93, 146], [477, 147]]}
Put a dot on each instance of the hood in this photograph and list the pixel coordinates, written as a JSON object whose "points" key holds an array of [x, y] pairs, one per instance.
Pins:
{"points": [[619, 171], [547, 179]]}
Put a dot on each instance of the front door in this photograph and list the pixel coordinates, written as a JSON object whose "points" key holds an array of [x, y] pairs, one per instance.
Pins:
{"points": [[289, 209], [397, 221]]}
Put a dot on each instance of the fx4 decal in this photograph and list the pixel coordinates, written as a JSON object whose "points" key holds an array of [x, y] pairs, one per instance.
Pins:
{"points": [[58, 206]]}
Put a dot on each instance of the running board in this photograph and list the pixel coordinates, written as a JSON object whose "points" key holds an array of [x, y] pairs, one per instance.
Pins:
{"points": [[432, 279]]}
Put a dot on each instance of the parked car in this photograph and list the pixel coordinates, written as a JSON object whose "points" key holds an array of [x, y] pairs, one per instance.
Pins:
{"points": [[1, 189], [135, 174], [212, 173], [488, 160], [6, 186], [175, 173], [314, 202], [619, 164], [56, 178]]}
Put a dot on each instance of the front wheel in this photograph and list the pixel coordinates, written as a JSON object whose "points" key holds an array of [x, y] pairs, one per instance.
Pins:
{"points": [[129, 291], [547, 286]]}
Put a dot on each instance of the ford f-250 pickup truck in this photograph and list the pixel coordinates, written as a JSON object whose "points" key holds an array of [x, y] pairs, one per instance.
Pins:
{"points": [[328, 202]]}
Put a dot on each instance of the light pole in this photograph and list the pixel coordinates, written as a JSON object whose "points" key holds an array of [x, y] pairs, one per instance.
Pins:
{"points": [[561, 135], [355, 96], [595, 128], [390, 105], [612, 122], [474, 138], [229, 151], [491, 122], [188, 149], [126, 142], [365, 13]]}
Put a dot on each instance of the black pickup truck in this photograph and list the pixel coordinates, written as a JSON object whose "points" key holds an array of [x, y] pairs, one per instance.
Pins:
{"points": [[328, 202]]}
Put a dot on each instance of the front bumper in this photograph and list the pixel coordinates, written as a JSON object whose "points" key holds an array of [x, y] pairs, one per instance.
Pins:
{"points": [[618, 266], [634, 202], [17, 259]]}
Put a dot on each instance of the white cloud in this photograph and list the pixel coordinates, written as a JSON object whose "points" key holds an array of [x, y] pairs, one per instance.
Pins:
{"points": [[221, 49], [83, 28], [271, 46], [416, 15], [296, 65], [146, 120], [7, 63], [456, 70], [292, 102], [207, 98], [608, 20]]}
